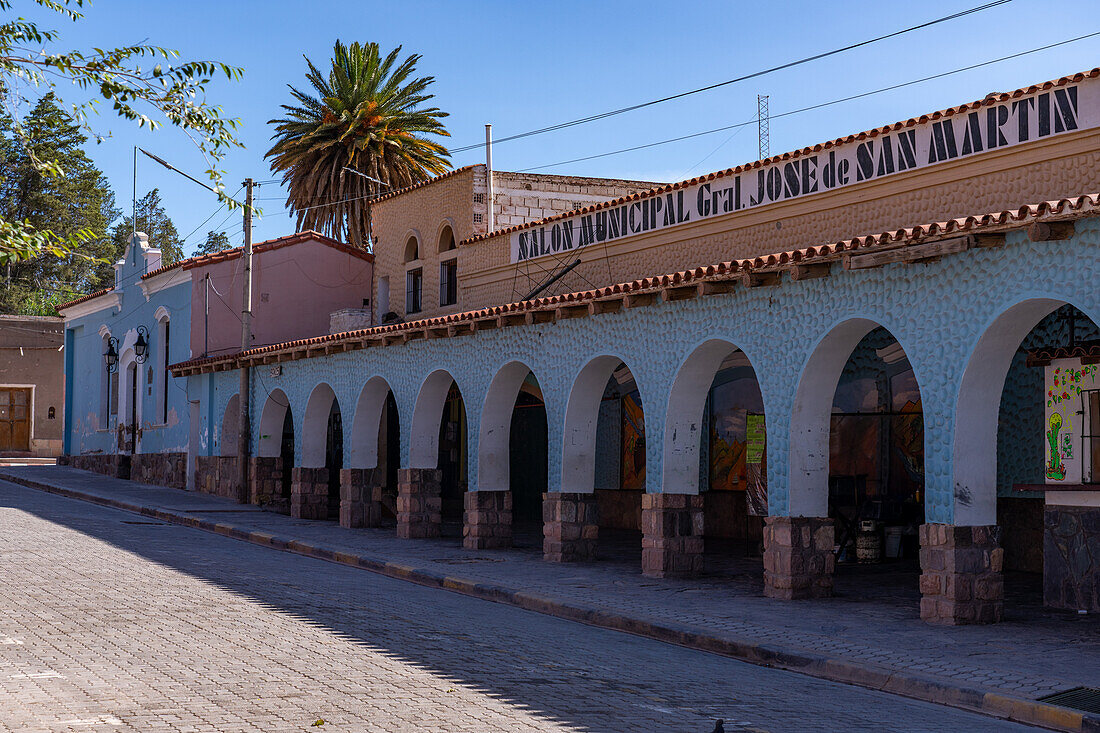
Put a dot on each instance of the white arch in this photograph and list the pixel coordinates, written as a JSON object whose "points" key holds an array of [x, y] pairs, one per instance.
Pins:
{"points": [[129, 386], [494, 445], [811, 416], [684, 417], [582, 412], [315, 426], [270, 443], [231, 419], [367, 423], [977, 411], [424, 438]]}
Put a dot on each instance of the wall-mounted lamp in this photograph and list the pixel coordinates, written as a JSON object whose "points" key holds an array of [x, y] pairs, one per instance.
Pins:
{"points": [[141, 346], [111, 355]]}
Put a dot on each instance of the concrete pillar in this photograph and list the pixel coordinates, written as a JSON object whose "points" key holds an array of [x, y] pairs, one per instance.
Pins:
{"points": [[570, 527], [961, 580], [798, 557], [419, 505], [672, 535], [361, 497], [486, 519], [309, 493]]}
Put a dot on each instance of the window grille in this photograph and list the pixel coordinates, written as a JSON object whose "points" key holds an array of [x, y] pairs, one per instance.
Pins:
{"points": [[448, 282], [414, 285]]}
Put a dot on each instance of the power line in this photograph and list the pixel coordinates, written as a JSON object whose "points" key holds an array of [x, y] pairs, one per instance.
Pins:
{"points": [[819, 105], [755, 74]]}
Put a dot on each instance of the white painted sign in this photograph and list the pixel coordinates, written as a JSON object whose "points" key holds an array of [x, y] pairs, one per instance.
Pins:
{"points": [[1009, 123]]}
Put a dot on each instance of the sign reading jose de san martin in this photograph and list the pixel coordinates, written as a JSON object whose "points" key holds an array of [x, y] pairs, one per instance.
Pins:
{"points": [[1013, 122]]}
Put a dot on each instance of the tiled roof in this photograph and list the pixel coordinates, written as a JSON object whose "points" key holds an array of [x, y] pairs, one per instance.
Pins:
{"points": [[1088, 354], [686, 283], [875, 132], [83, 299], [430, 181]]}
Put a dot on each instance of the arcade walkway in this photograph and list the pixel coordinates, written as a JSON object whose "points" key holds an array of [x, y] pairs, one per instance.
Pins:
{"points": [[869, 634]]}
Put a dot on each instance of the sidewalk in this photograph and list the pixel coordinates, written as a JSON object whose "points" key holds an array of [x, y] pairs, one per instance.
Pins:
{"points": [[1001, 670]]}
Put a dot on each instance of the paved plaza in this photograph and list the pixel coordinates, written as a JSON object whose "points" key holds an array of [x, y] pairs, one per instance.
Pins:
{"points": [[113, 622]]}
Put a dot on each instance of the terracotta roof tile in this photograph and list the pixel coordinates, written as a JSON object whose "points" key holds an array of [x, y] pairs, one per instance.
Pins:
{"points": [[82, 299], [875, 132], [1088, 204], [422, 184]]}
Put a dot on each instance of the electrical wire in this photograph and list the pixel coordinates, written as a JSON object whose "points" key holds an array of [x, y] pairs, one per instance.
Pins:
{"points": [[820, 105], [753, 75]]}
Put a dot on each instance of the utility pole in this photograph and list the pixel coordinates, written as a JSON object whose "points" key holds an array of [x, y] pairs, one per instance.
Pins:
{"points": [[490, 224], [243, 423]]}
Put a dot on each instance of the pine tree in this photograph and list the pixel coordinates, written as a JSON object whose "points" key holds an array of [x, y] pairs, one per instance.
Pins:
{"points": [[154, 221], [81, 199], [215, 242]]}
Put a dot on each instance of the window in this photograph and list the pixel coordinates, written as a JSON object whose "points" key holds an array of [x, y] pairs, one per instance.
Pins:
{"points": [[412, 250], [166, 328], [448, 282], [446, 240], [414, 286]]}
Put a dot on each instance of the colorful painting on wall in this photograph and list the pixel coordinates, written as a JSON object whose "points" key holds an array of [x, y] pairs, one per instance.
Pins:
{"points": [[633, 442], [1066, 413]]}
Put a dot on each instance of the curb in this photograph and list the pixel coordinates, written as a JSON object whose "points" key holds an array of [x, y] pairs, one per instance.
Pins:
{"points": [[915, 686]]}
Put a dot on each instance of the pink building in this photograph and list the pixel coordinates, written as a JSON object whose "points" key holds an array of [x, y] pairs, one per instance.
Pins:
{"points": [[298, 283]]}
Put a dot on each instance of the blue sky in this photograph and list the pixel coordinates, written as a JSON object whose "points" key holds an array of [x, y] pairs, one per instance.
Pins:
{"points": [[523, 65]]}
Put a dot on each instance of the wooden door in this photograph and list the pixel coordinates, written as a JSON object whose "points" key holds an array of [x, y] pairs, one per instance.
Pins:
{"points": [[15, 419]]}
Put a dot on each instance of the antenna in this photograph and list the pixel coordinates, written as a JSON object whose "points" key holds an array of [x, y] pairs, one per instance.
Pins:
{"points": [[763, 125]]}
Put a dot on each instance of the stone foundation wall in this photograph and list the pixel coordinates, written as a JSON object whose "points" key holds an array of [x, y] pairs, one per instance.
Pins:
{"points": [[672, 535], [265, 477], [487, 520], [109, 464], [160, 469], [798, 557], [419, 504], [1071, 558], [309, 493], [361, 497], [216, 475], [961, 580], [571, 526]]}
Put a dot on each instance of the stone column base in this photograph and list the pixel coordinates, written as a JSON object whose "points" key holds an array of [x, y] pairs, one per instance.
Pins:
{"points": [[360, 497], [419, 504], [309, 493], [672, 535], [570, 527], [961, 580], [265, 480], [798, 557], [487, 519]]}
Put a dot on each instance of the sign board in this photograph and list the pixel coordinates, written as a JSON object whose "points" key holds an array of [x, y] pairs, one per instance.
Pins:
{"points": [[755, 439], [1006, 124], [1067, 434]]}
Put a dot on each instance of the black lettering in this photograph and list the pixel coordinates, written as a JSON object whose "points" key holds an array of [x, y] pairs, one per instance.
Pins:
{"points": [[828, 174], [601, 226], [737, 192], [1023, 108], [972, 137], [809, 174], [613, 223], [586, 231], [942, 145], [634, 226], [790, 180], [995, 118], [907, 150], [670, 211], [682, 212], [1065, 108], [842, 172], [885, 157], [1044, 115], [567, 235], [703, 204], [775, 184], [758, 198], [524, 244], [865, 160]]}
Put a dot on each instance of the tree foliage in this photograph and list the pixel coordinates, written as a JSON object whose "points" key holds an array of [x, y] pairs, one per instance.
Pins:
{"points": [[367, 113], [142, 84], [215, 242], [79, 203], [155, 222]]}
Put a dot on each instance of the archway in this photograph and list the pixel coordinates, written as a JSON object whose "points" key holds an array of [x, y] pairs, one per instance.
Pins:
{"points": [[714, 445], [603, 454], [230, 438], [438, 440], [1028, 420], [322, 448], [274, 464], [375, 440], [512, 460]]}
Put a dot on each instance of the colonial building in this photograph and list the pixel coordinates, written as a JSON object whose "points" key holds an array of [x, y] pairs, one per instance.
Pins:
{"points": [[824, 353], [31, 386]]}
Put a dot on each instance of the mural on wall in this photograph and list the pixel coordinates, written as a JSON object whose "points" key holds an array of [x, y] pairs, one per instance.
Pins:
{"points": [[633, 442], [1065, 413]]}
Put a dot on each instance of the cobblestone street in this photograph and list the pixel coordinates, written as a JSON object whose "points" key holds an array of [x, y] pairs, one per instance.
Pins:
{"points": [[112, 622]]}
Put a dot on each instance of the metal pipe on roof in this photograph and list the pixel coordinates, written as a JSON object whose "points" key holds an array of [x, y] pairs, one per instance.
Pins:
{"points": [[489, 176]]}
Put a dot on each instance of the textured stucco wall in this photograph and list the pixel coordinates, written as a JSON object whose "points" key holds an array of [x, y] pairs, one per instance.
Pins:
{"points": [[937, 311]]}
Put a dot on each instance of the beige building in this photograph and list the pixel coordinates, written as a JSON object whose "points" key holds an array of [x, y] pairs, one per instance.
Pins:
{"points": [[32, 386]]}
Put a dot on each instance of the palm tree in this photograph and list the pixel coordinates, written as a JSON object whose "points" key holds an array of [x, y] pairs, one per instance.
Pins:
{"points": [[368, 115]]}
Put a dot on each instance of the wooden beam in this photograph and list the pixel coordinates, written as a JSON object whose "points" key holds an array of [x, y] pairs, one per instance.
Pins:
{"points": [[635, 300], [512, 319], [988, 240], [605, 306], [910, 253], [809, 272], [1050, 231], [679, 292], [716, 287], [435, 333], [484, 324], [534, 317], [572, 311], [756, 279]]}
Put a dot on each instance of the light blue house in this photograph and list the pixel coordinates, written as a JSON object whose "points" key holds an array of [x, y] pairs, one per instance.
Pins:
{"points": [[125, 414]]}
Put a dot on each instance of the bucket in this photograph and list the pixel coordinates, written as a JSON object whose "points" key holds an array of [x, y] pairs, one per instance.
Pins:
{"points": [[893, 542], [868, 543]]}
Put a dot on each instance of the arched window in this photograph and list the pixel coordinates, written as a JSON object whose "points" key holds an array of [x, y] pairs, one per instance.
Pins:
{"points": [[164, 336], [446, 239], [412, 250], [108, 393]]}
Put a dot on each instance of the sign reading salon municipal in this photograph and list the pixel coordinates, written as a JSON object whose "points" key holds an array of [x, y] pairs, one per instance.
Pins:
{"points": [[1005, 124]]}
